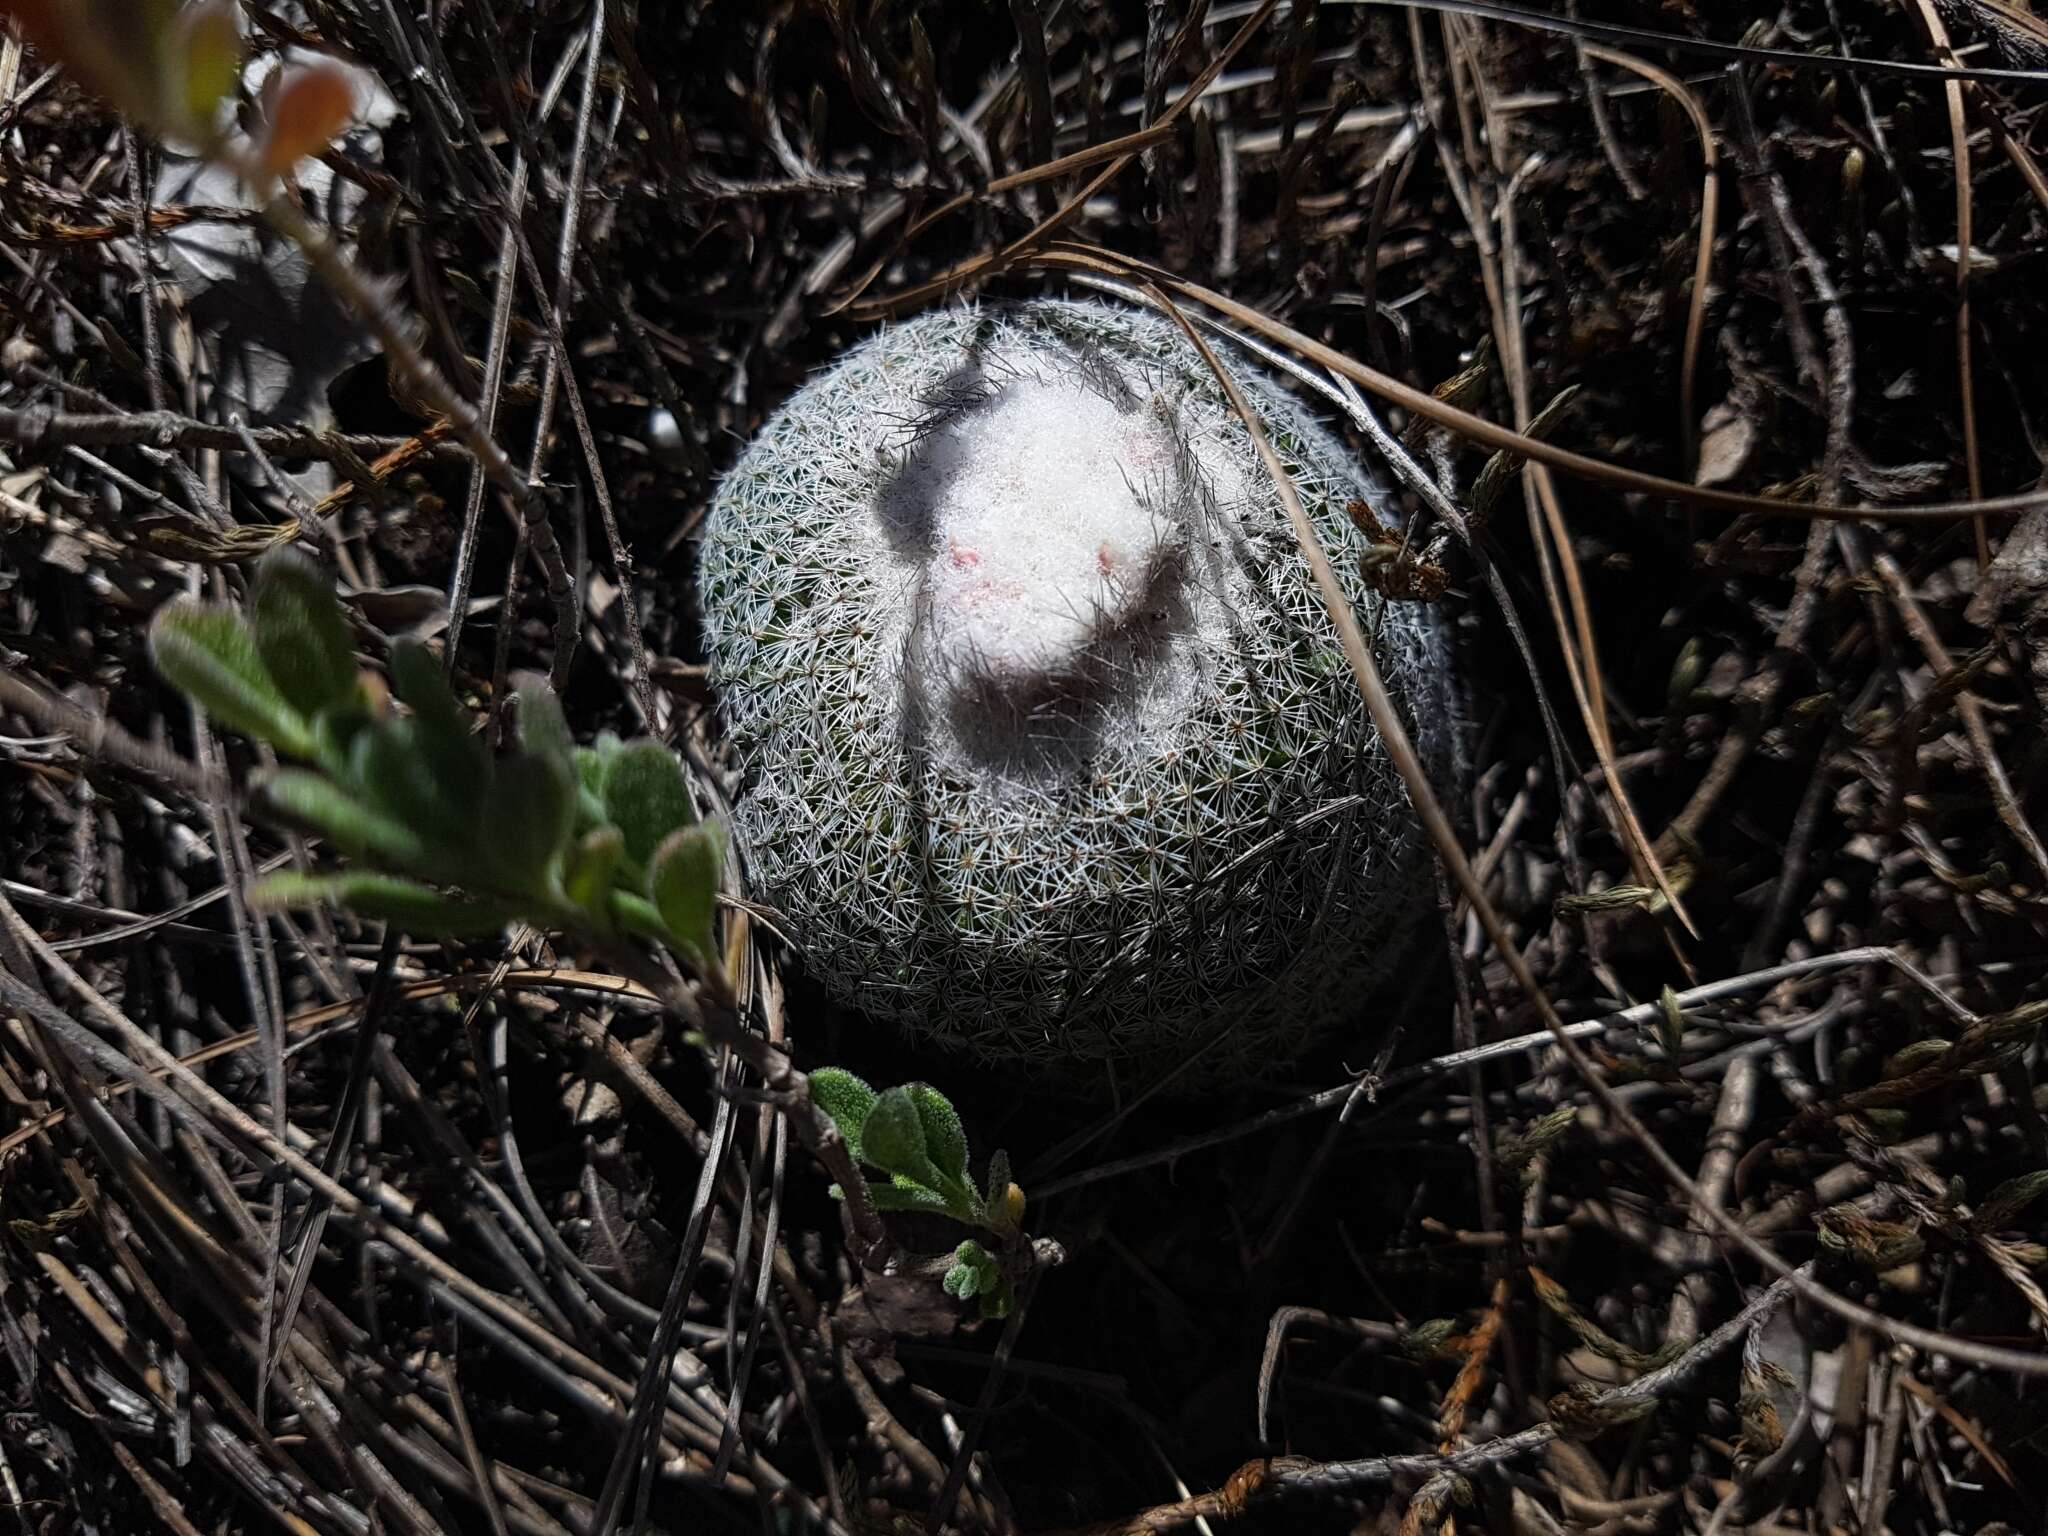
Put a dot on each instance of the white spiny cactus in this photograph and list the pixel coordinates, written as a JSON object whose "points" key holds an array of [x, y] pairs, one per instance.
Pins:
{"points": [[1049, 748]]}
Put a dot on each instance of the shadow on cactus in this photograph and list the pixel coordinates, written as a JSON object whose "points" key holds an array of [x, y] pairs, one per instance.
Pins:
{"points": [[443, 838]]}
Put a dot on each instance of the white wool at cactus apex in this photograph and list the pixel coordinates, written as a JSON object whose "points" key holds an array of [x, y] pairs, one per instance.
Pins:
{"points": [[1049, 748]]}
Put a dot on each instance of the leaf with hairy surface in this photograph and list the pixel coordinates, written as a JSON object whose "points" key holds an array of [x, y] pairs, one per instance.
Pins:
{"points": [[645, 797], [211, 655], [300, 632], [683, 881], [846, 1099], [402, 903]]}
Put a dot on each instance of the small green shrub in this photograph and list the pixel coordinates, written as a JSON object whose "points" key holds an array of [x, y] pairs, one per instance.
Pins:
{"points": [[604, 842], [914, 1135], [442, 837]]}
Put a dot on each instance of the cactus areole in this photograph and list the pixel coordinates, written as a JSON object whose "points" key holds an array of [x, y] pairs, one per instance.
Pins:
{"points": [[1049, 748]]}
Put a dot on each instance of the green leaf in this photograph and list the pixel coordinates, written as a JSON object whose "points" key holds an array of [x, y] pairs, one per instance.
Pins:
{"points": [[893, 1139], [910, 1197], [543, 729], [452, 753], [645, 797], [998, 1176], [315, 802], [594, 762], [636, 914], [210, 655], [945, 1138], [976, 1272], [205, 60], [592, 865], [684, 885], [590, 790], [402, 903], [525, 817], [388, 772], [335, 730], [846, 1099], [1003, 1206], [300, 632]]}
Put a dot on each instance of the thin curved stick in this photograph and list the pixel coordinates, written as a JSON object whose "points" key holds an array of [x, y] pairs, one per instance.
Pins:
{"points": [[1703, 259], [1966, 373]]}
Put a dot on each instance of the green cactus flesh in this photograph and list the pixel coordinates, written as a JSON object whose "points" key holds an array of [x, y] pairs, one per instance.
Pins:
{"points": [[1049, 748]]}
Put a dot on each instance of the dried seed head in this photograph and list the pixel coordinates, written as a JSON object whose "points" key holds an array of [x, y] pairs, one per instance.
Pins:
{"points": [[1050, 751]]}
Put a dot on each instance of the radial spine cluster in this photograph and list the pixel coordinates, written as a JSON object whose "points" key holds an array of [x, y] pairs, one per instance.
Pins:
{"points": [[1050, 751]]}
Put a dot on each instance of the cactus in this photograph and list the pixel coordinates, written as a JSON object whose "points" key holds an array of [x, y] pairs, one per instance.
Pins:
{"points": [[1049, 750]]}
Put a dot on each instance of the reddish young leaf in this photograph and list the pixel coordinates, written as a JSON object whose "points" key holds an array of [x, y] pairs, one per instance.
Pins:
{"points": [[306, 107]]}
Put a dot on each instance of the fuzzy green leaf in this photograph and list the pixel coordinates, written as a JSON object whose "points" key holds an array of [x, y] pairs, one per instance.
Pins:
{"points": [[998, 1176], [453, 754], [335, 731], [636, 914], [846, 1099], [893, 1139], [210, 654], [543, 729], [317, 803], [645, 797], [1003, 1206], [594, 762], [402, 903], [977, 1272], [945, 1138], [592, 865], [683, 882], [589, 768], [909, 1197], [526, 816], [389, 773], [300, 632], [204, 60]]}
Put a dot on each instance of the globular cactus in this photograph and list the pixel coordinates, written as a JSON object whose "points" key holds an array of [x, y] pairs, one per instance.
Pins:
{"points": [[1049, 749]]}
